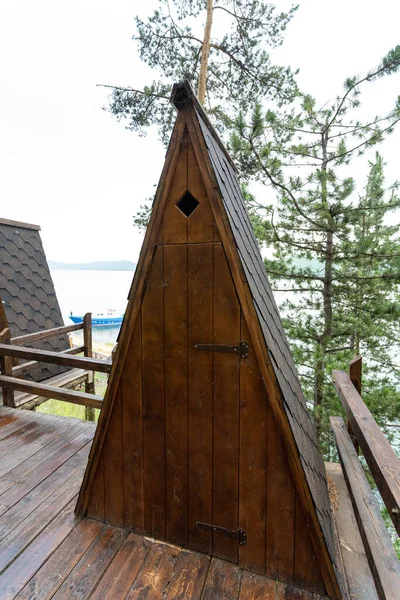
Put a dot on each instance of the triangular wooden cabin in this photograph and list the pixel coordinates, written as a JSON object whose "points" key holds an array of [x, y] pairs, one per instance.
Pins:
{"points": [[204, 439]]}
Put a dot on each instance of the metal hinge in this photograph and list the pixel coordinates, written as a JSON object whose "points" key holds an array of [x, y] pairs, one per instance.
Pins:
{"points": [[242, 350], [238, 534]]}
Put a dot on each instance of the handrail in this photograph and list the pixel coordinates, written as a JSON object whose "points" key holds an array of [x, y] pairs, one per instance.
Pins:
{"points": [[15, 348], [49, 391], [380, 456], [57, 358], [21, 340], [30, 366], [382, 559]]}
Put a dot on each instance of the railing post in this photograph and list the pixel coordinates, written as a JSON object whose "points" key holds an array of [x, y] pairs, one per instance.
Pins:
{"points": [[355, 374], [87, 342], [6, 369]]}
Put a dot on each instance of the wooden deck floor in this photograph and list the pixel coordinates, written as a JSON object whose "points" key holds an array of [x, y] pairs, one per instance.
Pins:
{"points": [[46, 552]]}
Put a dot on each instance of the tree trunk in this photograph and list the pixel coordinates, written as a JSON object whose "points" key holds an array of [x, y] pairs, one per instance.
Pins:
{"points": [[323, 343], [205, 51]]}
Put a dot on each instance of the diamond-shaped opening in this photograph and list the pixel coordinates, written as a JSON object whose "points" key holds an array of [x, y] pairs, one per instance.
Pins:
{"points": [[187, 204]]}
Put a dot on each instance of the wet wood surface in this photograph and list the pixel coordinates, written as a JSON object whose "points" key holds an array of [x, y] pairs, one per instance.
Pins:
{"points": [[47, 552], [358, 574], [378, 545], [380, 456]]}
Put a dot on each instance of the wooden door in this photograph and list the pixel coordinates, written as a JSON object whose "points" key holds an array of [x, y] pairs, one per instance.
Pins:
{"points": [[201, 399]]}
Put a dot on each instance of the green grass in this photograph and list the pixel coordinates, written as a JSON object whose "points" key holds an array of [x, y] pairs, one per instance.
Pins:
{"points": [[66, 409]]}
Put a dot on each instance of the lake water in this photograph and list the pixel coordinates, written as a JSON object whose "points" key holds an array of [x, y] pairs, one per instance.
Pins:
{"points": [[92, 291]]}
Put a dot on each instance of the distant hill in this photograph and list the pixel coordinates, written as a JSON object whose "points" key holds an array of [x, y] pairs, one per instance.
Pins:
{"points": [[100, 265]]}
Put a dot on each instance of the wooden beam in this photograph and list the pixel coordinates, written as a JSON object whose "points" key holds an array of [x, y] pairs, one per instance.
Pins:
{"points": [[49, 391], [6, 368], [30, 366], [359, 578], [56, 358], [21, 340], [379, 549], [355, 374], [87, 344], [380, 456], [87, 334]]}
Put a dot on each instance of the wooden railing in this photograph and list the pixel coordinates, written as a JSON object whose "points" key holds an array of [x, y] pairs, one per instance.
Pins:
{"points": [[13, 348], [362, 433]]}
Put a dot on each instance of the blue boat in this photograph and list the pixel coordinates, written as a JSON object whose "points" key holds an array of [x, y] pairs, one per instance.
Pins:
{"points": [[105, 318]]}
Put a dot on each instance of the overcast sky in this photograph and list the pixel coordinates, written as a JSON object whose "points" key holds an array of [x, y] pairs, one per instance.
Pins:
{"points": [[71, 168]]}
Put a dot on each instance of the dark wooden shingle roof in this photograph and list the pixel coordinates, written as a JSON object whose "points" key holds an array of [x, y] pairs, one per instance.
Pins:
{"points": [[275, 339], [27, 290]]}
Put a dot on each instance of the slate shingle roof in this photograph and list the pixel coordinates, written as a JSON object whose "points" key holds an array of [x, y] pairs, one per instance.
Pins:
{"points": [[275, 339], [27, 290]]}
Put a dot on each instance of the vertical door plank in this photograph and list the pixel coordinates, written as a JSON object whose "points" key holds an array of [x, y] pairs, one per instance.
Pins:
{"points": [[226, 408], [153, 400], [306, 566], [174, 222], [253, 459], [132, 434], [96, 503], [201, 224], [281, 500], [200, 330], [176, 409], [113, 468]]}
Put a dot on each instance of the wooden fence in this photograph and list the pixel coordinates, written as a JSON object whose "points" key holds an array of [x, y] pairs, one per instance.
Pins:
{"points": [[14, 348], [362, 433]]}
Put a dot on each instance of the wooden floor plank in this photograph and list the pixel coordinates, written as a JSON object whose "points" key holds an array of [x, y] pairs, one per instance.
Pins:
{"points": [[124, 568], [257, 587], [13, 419], [223, 581], [378, 545], [64, 443], [56, 569], [12, 514], [156, 572], [20, 430], [32, 558], [86, 574], [189, 576], [43, 472], [288, 592], [18, 539], [358, 574], [6, 418]]}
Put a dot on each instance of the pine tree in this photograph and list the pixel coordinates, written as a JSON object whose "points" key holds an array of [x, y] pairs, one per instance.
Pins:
{"points": [[315, 225], [228, 63]]}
